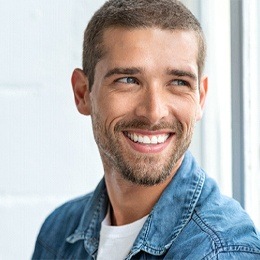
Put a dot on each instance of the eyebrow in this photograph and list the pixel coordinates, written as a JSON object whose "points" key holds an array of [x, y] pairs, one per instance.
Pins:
{"points": [[128, 71], [135, 70], [181, 73]]}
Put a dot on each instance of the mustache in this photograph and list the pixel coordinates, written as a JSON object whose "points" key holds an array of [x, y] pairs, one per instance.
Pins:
{"points": [[175, 126]]}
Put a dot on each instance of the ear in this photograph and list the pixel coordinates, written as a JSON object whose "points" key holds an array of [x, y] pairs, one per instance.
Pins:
{"points": [[203, 95], [80, 87]]}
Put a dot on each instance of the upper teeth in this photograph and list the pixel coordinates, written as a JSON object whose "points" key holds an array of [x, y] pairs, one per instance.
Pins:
{"points": [[155, 139]]}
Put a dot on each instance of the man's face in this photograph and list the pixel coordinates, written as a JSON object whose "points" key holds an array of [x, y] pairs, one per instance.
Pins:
{"points": [[145, 101]]}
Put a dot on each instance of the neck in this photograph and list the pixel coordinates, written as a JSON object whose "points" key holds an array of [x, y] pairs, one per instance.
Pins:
{"points": [[129, 201]]}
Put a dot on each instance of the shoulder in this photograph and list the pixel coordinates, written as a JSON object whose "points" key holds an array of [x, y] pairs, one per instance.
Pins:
{"points": [[219, 228], [67, 215], [61, 223], [225, 224]]}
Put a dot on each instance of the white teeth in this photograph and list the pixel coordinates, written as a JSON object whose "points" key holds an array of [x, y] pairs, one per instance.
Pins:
{"points": [[140, 139], [147, 140], [154, 140], [160, 139]]}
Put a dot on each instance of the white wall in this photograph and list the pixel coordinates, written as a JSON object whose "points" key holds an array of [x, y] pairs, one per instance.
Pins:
{"points": [[47, 153]]}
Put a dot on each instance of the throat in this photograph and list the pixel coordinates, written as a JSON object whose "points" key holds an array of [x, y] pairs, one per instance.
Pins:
{"points": [[131, 202]]}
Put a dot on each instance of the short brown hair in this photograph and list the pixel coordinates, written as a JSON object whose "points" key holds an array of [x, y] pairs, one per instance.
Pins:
{"points": [[163, 14]]}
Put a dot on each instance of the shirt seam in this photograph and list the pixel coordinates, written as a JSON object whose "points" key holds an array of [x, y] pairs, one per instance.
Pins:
{"points": [[202, 224], [214, 254], [219, 248], [240, 248], [48, 248]]}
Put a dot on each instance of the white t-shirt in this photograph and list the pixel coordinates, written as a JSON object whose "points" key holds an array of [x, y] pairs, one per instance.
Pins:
{"points": [[116, 241]]}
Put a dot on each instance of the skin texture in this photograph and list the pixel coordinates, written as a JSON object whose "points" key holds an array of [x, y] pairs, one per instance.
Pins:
{"points": [[147, 85]]}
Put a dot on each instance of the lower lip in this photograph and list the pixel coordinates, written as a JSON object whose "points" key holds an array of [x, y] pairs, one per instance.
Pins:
{"points": [[149, 148]]}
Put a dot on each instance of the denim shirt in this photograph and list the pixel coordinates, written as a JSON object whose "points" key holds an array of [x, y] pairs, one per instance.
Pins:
{"points": [[191, 220]]}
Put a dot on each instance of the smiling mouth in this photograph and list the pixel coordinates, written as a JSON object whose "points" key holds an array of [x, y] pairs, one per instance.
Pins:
{"points": [[145, 139]]}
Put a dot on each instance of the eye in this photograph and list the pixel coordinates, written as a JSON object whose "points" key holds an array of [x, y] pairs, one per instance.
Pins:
{"points": [[180, 82], [128, 80]]}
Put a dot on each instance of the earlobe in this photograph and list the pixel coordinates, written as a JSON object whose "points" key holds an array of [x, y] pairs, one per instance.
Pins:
{"points": [[203, 95], [81, 91]]}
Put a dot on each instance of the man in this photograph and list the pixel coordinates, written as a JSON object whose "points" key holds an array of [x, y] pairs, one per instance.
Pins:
{"points": [[142, 84]]}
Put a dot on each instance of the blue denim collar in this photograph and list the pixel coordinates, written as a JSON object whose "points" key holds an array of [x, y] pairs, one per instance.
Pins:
{"points": [[90, 223], [167, 219], [173, 210]]}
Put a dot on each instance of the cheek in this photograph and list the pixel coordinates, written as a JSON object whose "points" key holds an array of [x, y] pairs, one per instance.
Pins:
{"points": [[186, 107], [111, 110], [186, 111]]}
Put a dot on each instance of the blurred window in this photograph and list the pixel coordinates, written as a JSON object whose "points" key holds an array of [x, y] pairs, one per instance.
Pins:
{"points": [[227, 141]]}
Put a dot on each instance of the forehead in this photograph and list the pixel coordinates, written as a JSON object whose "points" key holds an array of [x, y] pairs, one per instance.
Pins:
{"points": [[150, 46]]}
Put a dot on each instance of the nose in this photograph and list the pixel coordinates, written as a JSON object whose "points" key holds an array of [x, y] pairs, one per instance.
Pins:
{"points": [[153, 105]]}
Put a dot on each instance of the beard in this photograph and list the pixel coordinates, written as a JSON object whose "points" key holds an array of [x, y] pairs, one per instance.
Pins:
{"points": [[141, 169]]}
